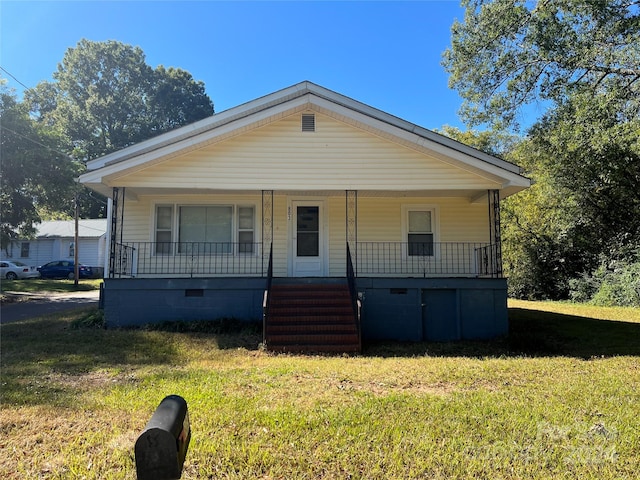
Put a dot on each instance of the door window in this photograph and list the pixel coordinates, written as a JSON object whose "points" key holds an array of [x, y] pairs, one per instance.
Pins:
{"points": [[308, 231]]}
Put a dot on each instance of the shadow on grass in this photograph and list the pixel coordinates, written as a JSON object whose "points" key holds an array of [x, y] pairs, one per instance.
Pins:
{"points": [[537, 332], [37, 352], [533, 333]]}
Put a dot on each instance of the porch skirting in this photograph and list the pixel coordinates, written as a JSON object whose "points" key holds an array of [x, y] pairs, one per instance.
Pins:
{"points": [[406, 309], [142, 301], [433, 309]]}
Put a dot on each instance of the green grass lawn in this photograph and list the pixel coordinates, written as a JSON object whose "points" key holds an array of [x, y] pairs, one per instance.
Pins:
{"points": [[35, 285], [556, 399]]}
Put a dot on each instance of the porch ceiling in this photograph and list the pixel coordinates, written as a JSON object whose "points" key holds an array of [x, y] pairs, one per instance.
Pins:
{"points": [[133, 193]]}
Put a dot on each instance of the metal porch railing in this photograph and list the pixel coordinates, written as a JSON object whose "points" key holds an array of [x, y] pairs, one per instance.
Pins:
{"points": [[190, 259], [427, 259], [402, 259]]}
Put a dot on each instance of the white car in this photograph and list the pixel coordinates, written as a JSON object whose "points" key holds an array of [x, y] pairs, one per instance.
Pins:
{"points": [[15, 270]]}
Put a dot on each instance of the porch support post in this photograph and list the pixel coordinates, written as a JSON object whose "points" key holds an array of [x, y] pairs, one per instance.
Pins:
{"points": [[351, 209], [494, 231], [267, 222], [115, 230]]}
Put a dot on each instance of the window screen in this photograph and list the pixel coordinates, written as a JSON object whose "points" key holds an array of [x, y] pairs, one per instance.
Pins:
{"points": [[420, 236]]}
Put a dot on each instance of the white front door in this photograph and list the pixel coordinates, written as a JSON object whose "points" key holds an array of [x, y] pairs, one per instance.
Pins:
{"points": [[308, 244]]}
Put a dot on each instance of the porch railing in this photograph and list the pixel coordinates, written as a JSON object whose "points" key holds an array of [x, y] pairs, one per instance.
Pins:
{"points": [[190, 259], [427, 259]]}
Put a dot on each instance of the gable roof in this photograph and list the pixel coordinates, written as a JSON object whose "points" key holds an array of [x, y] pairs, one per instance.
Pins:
{"points": [[304, 95], [88, 228]]}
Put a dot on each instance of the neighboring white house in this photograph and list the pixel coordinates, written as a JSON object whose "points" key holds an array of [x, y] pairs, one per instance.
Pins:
{"points": [[54, 240]]}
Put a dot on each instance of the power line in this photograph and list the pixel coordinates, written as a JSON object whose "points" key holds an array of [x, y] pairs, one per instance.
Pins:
{"points": [[24, 136], [38, 143], [12, 76]]}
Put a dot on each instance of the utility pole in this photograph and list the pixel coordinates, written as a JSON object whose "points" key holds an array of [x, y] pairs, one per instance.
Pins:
{"points": [[76, 268]]}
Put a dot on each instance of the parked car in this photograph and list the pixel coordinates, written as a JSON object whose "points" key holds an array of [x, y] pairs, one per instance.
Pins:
{"points": [[64, 269], [15, 270]]}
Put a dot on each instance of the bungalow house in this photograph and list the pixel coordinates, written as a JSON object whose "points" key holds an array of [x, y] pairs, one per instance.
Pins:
{"points": [[329, 220], [55, 240]]}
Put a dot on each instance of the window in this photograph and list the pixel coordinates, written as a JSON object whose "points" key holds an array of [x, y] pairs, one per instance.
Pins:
{"points": [[420, 231], [246, 229], [164, 223], [205, 229], [72, 249], [210, 229], [24, 249]]}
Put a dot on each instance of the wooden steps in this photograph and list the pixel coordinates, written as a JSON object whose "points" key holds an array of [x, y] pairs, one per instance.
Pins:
{"points": [[311, 317]]}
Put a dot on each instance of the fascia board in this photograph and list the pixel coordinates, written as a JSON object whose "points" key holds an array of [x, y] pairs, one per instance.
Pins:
{"points": [[460, 158]]}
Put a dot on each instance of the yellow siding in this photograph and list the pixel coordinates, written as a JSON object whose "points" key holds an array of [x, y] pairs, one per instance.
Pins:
{"points": [[279, 156], [458, 220]]}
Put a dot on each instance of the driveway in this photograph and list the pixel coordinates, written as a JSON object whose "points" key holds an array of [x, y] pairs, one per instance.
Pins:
{"points": [[37, 305]]}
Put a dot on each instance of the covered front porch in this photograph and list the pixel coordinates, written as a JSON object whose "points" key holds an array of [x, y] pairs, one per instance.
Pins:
{"points": [[307, 234]]}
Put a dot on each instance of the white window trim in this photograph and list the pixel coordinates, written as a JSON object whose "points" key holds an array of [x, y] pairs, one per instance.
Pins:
{"points": [[435, 226], [235, 205]]}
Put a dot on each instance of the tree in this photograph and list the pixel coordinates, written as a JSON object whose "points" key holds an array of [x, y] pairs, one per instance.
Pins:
{"points": [[105, 97], [594, 154], [494, 142], [508, 53], [582, 59], [176, 100], [35, 176]]}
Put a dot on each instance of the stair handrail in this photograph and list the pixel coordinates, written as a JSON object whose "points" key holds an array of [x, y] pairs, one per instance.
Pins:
{"points": [[266, 299], [355, 301]]}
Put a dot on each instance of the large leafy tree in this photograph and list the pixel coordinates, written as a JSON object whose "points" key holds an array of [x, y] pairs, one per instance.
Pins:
{"points": [[36, 176], [105, 97], [508, 53], [580, 58]]}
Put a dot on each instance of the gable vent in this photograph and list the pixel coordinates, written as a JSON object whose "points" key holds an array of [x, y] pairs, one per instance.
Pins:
{"points": [[308, 123]]}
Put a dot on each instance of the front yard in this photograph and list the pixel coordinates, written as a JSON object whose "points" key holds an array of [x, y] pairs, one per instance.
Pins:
{"points": [[557, 399]]}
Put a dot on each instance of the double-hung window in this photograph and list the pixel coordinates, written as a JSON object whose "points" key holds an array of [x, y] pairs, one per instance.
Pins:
{"points": [[164, 229], [246, 229], [420, 231]]}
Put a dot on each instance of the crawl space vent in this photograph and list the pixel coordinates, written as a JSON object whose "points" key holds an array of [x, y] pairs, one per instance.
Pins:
{"points": [[308, 123]]}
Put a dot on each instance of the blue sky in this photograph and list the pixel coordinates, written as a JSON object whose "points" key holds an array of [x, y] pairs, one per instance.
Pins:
{"points": [[385, 54]]}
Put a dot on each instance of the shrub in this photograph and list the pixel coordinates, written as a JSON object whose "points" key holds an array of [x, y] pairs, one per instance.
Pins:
{"points": [[614, 283]]}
